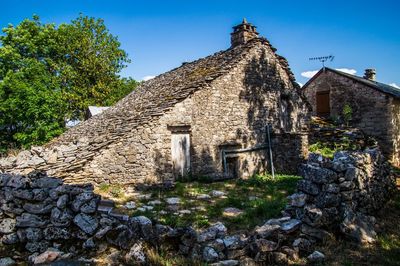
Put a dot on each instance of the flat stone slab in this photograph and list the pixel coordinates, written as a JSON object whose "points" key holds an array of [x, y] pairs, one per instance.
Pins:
{"points": [[277, 221], [267, 229], [291, 225], [7, 225], [226, 263], [119, 216], [130, 205], [297, 199], [172, 208], [251, 198], [147, 207], [203, 197], [316, 256], [104, 209], [217, 193], [7, 261], [154, 202], [143, 196], [184, 212], [86, 223], [199, 208], [173, 201], [232, 212]]}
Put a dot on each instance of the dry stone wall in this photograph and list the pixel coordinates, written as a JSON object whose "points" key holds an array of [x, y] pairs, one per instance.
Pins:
{"points": [[50, 220], [339, 195]]}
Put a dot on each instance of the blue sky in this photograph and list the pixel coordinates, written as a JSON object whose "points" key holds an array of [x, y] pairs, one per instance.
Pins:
{"points": [[160, 35]]}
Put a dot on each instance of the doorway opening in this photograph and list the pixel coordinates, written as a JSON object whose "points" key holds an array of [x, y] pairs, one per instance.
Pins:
{"points": [[180, 152], [323, 104]]}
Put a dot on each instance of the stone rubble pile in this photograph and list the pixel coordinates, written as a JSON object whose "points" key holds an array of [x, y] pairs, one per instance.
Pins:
{"points": [[55, 221]]}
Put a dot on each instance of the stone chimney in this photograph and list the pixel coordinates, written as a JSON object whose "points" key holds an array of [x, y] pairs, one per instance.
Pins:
{"points": [[370, 74], [243, 33]]}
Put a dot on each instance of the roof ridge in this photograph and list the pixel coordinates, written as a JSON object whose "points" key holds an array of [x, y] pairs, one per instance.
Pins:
{"points": [[150, 99], [383, 87]]}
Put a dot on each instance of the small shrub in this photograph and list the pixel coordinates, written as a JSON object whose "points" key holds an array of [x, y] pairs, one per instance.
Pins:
{"points": [[180, 189], [164, 257], [202, 222], [116, 191], [347, 113], [104, 187]]}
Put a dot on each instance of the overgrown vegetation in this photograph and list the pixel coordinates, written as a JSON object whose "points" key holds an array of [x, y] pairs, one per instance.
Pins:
{"points": [[114, 191], [347, 113], [163, 257], [49, 75], [328, 149], [259, 197]]}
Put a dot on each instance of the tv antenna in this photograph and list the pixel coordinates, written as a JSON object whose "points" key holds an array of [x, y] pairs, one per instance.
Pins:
{"points": [[323, 59]]}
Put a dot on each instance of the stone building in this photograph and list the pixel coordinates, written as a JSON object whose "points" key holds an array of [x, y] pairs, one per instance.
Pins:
{"points": [[205, 118], [375, 106]]}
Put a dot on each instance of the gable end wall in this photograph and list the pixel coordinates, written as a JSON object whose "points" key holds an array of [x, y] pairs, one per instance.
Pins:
{"points": [[374, 112]]}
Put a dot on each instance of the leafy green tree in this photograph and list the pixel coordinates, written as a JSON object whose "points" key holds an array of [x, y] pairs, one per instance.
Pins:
{"points": [[91, 59], [30, 107], [30, 95], [123, 88], [51, 74]]}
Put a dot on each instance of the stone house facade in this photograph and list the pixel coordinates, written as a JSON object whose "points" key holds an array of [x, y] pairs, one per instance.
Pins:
{"points": [[375, 106], [205, 118]]}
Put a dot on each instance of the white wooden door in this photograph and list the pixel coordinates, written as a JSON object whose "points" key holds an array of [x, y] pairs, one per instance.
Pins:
{"points": [[180, 148]]}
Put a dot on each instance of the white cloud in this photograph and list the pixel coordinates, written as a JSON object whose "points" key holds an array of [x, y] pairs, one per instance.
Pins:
{"points": [[146, 78], [394, 85], [347, 70], [301, 84], [309, 74]]}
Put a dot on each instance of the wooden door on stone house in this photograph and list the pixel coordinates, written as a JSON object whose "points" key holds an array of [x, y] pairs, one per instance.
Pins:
{"points": [[180, 152], [323, 103]]}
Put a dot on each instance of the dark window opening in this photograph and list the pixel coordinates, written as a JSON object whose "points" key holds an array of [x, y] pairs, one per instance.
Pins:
{"points": [[232, 167]]}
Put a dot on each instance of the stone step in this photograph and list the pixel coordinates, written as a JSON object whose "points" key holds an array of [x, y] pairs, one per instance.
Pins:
{"points": [[118, 215], [106, 206], [107, 202]]}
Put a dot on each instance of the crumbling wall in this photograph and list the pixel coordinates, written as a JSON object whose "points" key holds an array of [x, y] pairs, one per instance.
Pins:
{"points": [[339, 195]]}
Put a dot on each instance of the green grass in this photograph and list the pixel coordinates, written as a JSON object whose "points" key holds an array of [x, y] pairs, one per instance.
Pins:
{"points": [[271, 199], [104, 187], [114, 191], [328, 149], [164, 257]]}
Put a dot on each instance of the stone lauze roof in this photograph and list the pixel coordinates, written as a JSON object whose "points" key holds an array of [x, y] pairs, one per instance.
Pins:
{"points": [[156, 96]]}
